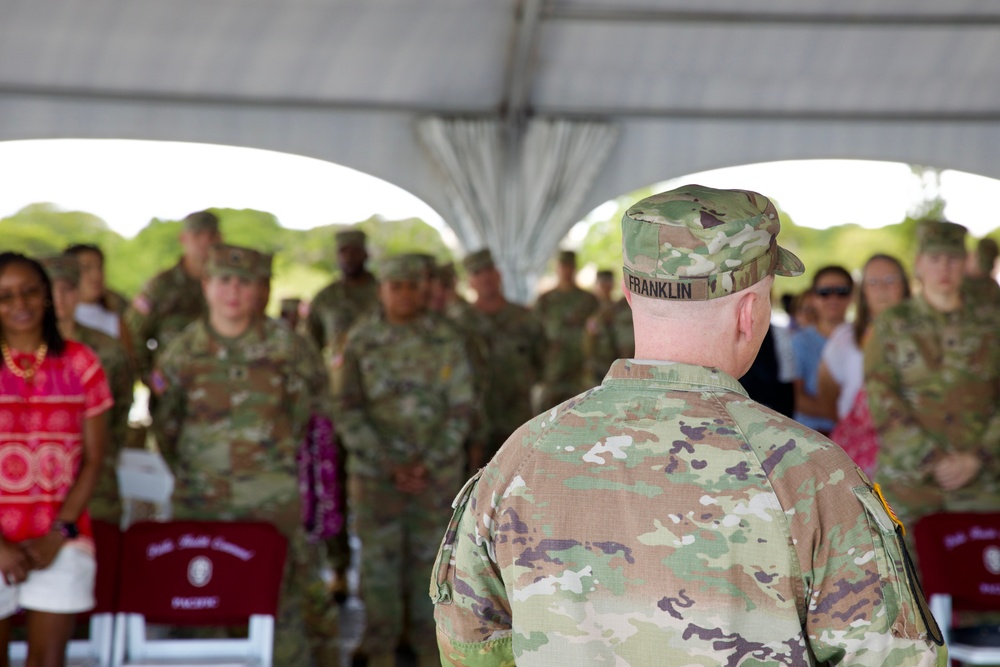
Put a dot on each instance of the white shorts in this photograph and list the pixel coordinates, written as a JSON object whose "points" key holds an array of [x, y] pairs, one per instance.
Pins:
{"points": [[64, 587]]}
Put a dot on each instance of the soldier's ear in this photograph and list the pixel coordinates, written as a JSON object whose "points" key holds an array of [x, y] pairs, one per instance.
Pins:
{"points": [[745, 315]]}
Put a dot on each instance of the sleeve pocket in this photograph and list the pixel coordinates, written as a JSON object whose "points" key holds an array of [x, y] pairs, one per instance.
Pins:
{"points": [[441, 587]]}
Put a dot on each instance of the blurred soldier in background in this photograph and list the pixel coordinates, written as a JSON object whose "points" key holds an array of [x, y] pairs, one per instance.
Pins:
{"points": [[608, 334], [932, 372], [333, 311], [515, 351], [64, 272], [290, 312], [564, 312], [172, 299], [980, 273], [236, 392], [404, 416]]}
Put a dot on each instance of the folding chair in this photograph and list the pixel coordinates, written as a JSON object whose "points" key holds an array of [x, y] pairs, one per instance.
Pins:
{"points": [[959, 557], [199, 573], [96, 648]]}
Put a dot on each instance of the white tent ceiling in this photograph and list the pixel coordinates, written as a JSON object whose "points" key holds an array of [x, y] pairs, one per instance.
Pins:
{"points": [[687, 85]]}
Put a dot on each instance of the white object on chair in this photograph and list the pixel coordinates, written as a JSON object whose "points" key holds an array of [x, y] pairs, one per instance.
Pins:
{"points": [[144, 476]]}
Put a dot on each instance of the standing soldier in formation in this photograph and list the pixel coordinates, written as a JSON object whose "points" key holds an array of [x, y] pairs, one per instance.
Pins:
{"points": [[515, 351], [608, 334], [564, 312], [404, 416], [235, 393], [64, 272], [665, 518], [173, 299], [932, 372], [333, 311], [980, 273]]}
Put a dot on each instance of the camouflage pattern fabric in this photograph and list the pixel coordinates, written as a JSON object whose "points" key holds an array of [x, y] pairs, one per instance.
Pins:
{"points": [[406, 400], [665, 518], [105, 503], [563, 315], [160, 312], [465, 318], [933, 382], [114, 301], [516, 349], [608, 336], [335, 309], [695, 243], [230, 419], [982, 289]]}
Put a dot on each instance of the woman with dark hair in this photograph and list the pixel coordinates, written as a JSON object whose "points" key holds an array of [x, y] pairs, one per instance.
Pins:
{"points": [[884, 284], [832, 287], [53, 396]]}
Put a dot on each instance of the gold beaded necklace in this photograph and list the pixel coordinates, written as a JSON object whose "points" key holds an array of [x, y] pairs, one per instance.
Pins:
{"points": [[28, 372]]}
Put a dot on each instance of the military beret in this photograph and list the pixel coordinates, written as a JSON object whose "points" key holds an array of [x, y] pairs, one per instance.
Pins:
{"points": [[986, 254], [567, 257], [350, 237], [62, 267], [231, 260], [478, 261], [934, 236], [201, 221], [410, 267], [696, 243]]}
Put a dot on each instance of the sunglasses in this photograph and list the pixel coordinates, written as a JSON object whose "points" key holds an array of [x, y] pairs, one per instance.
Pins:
{"points": [[840, 290]]}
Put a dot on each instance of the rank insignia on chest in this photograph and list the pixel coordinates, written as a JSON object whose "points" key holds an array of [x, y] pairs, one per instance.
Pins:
{"points": [[238, 373]]}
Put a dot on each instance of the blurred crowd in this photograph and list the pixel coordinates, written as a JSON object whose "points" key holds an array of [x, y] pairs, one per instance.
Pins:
{"points": [[365, 410]]}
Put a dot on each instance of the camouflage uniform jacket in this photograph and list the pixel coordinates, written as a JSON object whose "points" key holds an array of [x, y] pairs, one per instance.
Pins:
{"points": [[160, 312], [105, 502], [407, 396], [933, 382], [516, 347], [336, 308], [231, 416], [983, 289], [563, 315], [664, 518], [609, 335]]}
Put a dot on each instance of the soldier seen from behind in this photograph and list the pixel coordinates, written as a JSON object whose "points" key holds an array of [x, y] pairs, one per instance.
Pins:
{"points": [[666, 518]]}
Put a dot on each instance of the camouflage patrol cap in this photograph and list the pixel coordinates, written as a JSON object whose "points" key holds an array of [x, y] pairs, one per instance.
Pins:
{"points": [[430, 264], [201, 221], [350, 237], [567, 257], [290, 304], [986, 254], [696, 243], [478, 261], [231, 260], [410, 267], [62, 267], [446, 274], [940, 237], [265, 266], [605, 274]]}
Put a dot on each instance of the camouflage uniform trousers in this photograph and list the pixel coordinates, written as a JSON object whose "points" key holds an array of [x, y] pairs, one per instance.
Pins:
{"points": [[400, 535]]}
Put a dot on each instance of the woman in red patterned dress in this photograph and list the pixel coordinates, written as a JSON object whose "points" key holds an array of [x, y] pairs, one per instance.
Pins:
{"points": [[53, 396]]}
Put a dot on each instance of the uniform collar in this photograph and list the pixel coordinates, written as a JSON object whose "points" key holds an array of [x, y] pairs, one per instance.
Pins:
{"points": [[673, 373]]}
